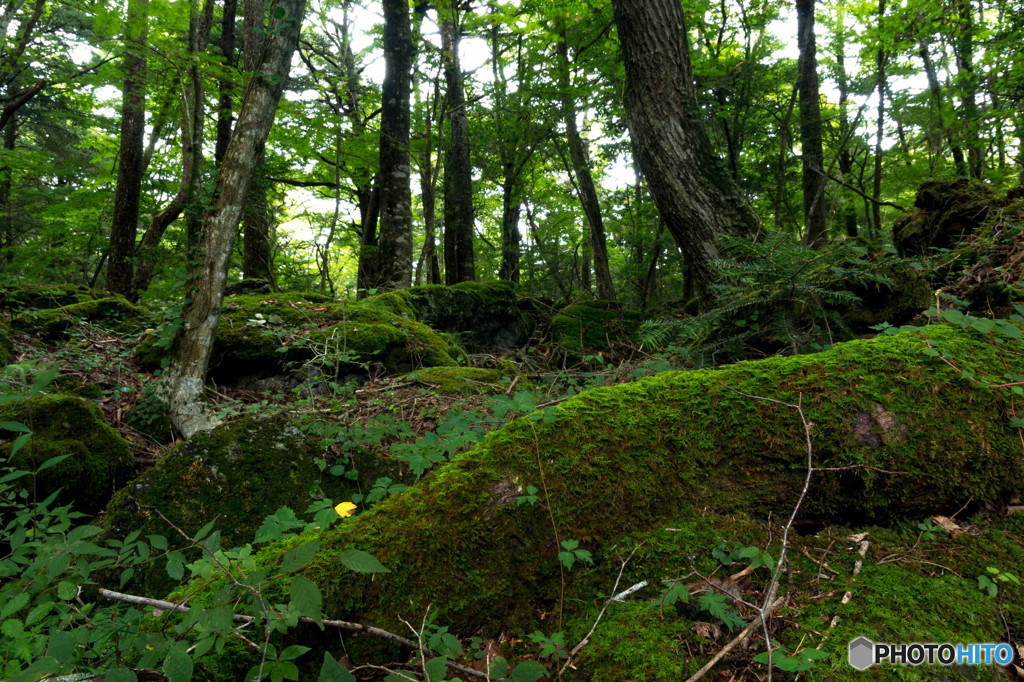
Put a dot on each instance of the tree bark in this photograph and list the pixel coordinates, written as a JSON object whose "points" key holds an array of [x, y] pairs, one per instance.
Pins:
{"points": [[935, 90], [585, 188], [459, 219], [208, 273], [394, 253], [876, 181], [226, 84], [127, 194], [967, 81], [812, 154], [690, 186], [256, 220]]}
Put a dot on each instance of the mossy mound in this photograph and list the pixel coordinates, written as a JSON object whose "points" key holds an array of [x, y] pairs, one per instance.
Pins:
{"points": [[234, 475], [629, 458], [100, 460], [485, 315], [114, 312], [462, 380], [947, 211], [6, 346], [593, 326], [264, 335], [17, 298]]}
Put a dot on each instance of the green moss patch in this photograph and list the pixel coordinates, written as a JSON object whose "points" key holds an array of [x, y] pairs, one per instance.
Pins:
{"points": [[627, 459], [462, 380], [485, 315], [114, 312], [100, 460]]}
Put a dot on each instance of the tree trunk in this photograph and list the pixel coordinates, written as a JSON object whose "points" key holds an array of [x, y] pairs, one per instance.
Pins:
{"points": [[585, 188], [256, 220], [368, 273], [812, 154], [876, 181], [428, 269], [226, 84], [7, 238], [967, 82], [690, 186], [208, 274], [394, 254], [845, 157], [458, 172], [935, 89], [124, 228]]}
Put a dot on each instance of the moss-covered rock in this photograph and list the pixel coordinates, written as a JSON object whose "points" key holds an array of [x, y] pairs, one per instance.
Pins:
{"points": [[6, 346], [485, 315], [593, 326], [19, 297], [632, 457], [946, 212], [234, 475], [114, 312], [100, 460], [908, 296], [462, 380]]}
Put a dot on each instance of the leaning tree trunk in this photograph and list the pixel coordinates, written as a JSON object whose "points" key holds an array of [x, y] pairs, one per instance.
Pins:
{"points": [[394, 251], [459, 261], [812, 154], [690, 186], [208, 273], [129, 169]]}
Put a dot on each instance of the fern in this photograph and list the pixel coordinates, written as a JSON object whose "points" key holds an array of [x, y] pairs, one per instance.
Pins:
{"points": [[776, 296]]}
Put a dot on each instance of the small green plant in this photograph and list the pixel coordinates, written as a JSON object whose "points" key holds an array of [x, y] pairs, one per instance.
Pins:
{"points": [[571, 553], [989, 581], [551, 646], [728, 555], [530, 497], [803, 660], [928, 529]]}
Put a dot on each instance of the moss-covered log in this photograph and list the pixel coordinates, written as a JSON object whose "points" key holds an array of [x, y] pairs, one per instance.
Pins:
{"points": [[624, 459]]}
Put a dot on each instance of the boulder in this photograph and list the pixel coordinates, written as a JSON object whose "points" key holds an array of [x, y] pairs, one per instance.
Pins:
{"points": [[485, 315], [593, 326], [100, 460], [946, 212]]}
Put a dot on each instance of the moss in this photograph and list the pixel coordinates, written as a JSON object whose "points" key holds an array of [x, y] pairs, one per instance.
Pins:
{"points": [[485, 315], [909, 295], [114, 312], [234, 475], [629, 458], [592, 326], [100, 461], [946, 212], [461, 380], [15, 297], [6, 346]]}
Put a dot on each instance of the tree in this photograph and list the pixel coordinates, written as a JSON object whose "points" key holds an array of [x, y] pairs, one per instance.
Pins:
{"points": [[811, 152], [394, 254], [459, 218], [694, 194], [124, 228], [208, 272]]}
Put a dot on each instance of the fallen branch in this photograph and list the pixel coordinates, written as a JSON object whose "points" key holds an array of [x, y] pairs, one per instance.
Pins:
{"points": [[737, 640]]}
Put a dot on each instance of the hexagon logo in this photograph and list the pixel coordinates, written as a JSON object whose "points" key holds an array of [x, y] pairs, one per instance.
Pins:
{"points": [[862, 653]]}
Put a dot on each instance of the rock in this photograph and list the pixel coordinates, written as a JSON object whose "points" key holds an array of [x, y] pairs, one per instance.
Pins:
{"points": [[234, 475], [43, 296], [113, 312], [100, 460], [593, 326], [485, 316], [463, 380], [908, 296], [947, 211]]}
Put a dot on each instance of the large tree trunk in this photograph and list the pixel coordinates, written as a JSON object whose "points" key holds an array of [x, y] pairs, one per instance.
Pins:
{"points": [[208, 274], [394, 252], [585, 187], [935, 89], [876, 181], [256, 220], [7, 237], [690, 186], [967, 80], [459, 262], [812, 154], [124, 228]]}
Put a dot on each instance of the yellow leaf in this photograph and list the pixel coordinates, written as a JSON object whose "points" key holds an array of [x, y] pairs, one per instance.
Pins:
{"points": [[345, 509]]}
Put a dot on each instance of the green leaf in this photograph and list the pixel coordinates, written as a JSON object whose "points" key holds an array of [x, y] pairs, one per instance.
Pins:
{"points": [[15, 604], [812, 654], [299, 557], [61, 646], [178, 666], [361, 562], [19, 443], [175, 568], [528, 671], [436, 668], [158, 541], [331, 671], [67, 590], [306, 599], [15, 426], [43, 379], [52, 462], [292, 652], [498, 668], [119, 675]]}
